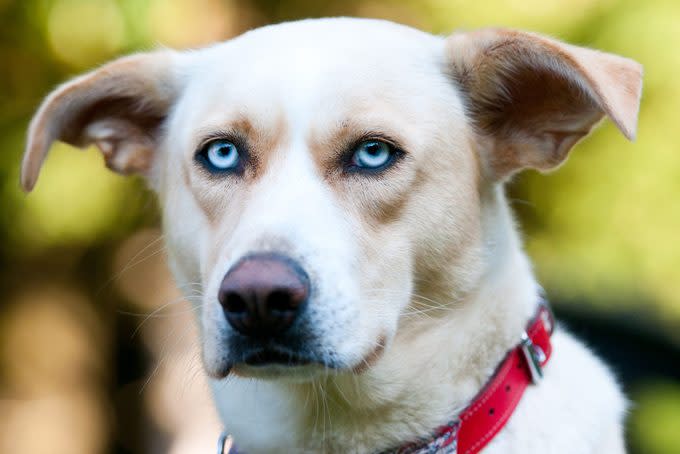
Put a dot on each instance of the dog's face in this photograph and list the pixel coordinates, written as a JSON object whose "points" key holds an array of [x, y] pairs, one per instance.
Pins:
{"points": [[337, 146], [323, 181]]}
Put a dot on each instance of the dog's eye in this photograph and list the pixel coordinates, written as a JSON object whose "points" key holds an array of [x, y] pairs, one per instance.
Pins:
{"points": [[373, 155], [220, 155]]}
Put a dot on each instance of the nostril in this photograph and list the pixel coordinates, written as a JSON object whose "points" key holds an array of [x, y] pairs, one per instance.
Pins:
{"points": [[234, 303], [280, 301]]}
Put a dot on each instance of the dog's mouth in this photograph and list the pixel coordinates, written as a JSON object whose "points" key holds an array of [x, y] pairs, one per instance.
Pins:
{"points": [[297, 359], [274, 357]]}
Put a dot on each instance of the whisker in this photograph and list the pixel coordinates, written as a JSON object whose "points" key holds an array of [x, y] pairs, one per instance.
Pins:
{"points": [[134, 261], [156, 311], [164, 355]]}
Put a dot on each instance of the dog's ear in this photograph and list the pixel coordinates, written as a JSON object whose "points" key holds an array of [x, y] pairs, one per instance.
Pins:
{"points": [[533, 98], [118, 107]]}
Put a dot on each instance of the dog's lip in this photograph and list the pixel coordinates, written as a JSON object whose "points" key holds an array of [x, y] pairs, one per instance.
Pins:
{"points": [[275, 357]]}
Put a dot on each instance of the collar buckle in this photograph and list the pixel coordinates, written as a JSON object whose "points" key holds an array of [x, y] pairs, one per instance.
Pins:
{"points": [[534, 357], [225, 444], [547, 316]]}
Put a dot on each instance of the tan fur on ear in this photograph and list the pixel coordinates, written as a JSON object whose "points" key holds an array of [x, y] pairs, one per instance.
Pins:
{"points": [[117, 107], [535, 97]]}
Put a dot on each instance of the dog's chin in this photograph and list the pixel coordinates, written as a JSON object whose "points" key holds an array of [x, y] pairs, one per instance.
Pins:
{"points": [[272, 363], [283, 372]]}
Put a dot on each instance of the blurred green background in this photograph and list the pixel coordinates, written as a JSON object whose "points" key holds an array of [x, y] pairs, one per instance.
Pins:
{"points": [[91, 359]]}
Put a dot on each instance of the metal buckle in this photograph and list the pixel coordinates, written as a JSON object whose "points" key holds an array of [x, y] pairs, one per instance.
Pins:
{"points": [[547, 316], [534, 356], [224, 443]]}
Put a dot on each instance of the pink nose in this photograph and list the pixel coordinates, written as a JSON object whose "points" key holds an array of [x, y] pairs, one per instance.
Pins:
{"points": [[262, 294]]}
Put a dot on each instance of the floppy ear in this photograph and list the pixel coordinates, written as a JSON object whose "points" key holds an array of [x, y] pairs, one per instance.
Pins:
{"points": [[119, 107], [533, 97]]}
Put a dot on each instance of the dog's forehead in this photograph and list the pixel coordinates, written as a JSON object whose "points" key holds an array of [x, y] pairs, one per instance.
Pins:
{"points": [[302, 69], [326, 44]]}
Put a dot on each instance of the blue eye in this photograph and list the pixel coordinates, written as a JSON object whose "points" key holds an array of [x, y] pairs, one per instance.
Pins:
{"points": [[373, 154], [221, 155]]}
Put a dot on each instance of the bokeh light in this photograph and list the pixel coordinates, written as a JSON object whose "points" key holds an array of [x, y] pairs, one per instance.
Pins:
{"points": [[51, 342], [82, 32], [189, 23], [79, 202]]}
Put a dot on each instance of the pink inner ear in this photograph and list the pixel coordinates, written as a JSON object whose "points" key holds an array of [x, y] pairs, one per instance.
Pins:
{"points": [[537, 97], [532, 98], [127, 148], [119, 107]]}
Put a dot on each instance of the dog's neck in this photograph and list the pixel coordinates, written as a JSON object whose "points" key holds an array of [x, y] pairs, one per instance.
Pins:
{"points": [[419, 375]]}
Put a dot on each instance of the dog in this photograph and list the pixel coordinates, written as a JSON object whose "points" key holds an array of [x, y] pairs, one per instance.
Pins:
{"points": [[336, 189]]}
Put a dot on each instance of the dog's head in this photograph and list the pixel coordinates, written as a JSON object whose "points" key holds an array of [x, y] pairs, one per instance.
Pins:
{"points": [[321, 181]]}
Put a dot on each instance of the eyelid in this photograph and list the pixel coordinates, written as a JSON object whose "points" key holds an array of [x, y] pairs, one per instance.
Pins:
{"points": [[347, 149], [221, 134], [376, 137]]}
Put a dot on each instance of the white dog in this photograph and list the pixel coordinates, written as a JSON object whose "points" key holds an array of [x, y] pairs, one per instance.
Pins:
{"points": [[336, 188]]}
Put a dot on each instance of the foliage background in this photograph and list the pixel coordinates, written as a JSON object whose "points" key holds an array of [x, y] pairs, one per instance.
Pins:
{"points": [[85, 369]]}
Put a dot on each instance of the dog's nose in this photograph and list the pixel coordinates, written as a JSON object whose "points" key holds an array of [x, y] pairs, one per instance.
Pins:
{"points": [[262, 294]]}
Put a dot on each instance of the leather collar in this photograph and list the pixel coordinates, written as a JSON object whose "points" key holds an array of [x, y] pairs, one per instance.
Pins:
{"points": [[491, 409]]}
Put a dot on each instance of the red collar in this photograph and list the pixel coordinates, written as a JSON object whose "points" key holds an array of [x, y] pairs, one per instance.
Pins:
{"points": [[490, 410]]}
